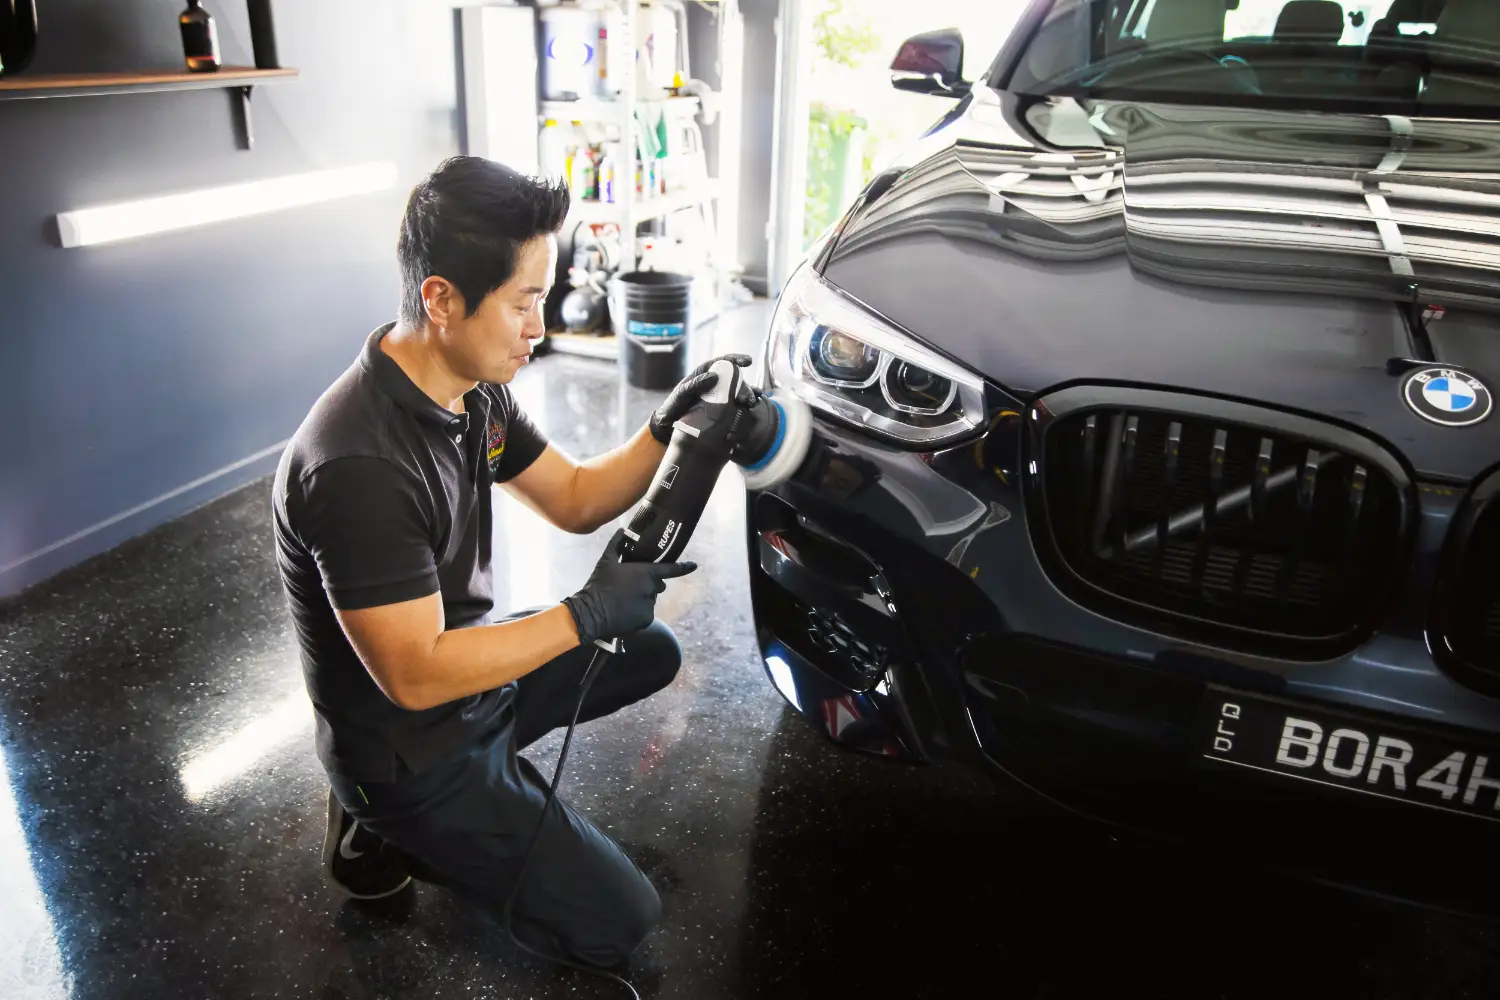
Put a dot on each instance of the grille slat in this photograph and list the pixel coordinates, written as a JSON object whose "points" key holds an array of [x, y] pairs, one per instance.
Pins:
{"points": [[1260, 478], [1221, 523], [1090, 457], [1475, 593], [1122, 486], [1109, 500], [1307, 488], [1215, 490], [1163, 519], [1359, 485]]}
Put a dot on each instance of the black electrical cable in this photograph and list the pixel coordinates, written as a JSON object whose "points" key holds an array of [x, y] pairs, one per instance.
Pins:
{"points": [[601, 657]]}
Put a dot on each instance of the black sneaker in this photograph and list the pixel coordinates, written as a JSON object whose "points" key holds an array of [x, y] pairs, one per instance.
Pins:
{"points": [[360, 863]]}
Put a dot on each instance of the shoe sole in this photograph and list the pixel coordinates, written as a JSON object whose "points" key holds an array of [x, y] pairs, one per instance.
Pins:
{"points": [[331, 847], [379, 895]]}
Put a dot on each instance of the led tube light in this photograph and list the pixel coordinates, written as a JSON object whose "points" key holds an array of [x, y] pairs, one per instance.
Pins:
{"points": [[169, 213]]}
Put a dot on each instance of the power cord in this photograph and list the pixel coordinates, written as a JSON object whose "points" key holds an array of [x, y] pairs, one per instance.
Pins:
{"points": [[601, 657]]}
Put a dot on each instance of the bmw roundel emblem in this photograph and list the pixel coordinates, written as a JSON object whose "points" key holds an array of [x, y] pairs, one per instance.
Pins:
{"points": [[1448, 397]]}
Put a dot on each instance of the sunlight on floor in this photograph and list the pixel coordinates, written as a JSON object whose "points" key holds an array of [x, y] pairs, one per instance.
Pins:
{"points": [[30, 964]]}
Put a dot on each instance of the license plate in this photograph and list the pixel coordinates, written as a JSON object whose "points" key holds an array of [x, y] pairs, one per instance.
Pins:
{"points": [[1359, 755]]}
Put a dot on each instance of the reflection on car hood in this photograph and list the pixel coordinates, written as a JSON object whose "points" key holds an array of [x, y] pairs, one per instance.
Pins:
{"points": [[1266, 255]]}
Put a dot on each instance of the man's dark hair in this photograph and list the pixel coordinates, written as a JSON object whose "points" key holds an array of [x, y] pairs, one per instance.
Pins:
{"points": [[466, 222]]}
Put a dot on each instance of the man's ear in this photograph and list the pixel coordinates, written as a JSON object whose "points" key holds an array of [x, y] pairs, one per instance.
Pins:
{"points": [[445, 303]]}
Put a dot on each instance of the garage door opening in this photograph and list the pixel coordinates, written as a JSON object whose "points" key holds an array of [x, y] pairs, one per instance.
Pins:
{"points": [[839, 119]]}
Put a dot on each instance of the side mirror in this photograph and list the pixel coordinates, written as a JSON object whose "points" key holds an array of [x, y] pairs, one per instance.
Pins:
{"points": [[931, 63]]}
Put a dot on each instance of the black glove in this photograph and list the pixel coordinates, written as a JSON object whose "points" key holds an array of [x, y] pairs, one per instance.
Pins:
{"points": [[687, 394], [620, 598]]}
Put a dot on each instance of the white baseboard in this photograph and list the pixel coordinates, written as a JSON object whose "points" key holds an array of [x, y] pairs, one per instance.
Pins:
{"points": [[36, 566]]}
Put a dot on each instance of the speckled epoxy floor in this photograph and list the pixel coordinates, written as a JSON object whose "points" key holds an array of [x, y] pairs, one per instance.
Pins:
{"points": [[160, 825]]}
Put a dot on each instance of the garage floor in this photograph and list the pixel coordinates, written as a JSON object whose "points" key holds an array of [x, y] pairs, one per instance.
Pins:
{"points": [[160, 827]]}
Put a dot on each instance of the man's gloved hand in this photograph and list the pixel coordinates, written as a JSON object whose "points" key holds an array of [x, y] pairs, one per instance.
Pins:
{"points": [[687, 393], [620, 598]]}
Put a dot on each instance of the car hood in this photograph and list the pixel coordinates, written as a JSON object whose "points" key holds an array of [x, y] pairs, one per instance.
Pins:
{"points": [[1275, 256]]}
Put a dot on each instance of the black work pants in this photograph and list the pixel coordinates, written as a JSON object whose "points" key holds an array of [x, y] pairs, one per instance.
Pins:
{"points": [[466, 822]]}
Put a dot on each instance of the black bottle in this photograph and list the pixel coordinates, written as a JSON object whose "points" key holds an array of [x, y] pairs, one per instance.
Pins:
{"points": [[17, 34], [200, 38], [263, 35]]}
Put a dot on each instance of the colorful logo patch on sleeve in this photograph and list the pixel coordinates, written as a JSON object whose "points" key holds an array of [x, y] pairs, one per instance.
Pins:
{"points": [[496, 443]]}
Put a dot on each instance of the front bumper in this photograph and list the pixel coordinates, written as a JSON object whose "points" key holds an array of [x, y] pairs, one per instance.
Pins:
{"points": [[901, 609]]}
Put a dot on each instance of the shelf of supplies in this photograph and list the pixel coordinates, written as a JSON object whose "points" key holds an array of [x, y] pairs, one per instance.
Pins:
{"points": [[646, 209], [95, 84], [609, 111]]}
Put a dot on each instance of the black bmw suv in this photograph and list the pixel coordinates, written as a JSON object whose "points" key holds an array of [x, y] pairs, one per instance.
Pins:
{"points": [[1156, 464]]}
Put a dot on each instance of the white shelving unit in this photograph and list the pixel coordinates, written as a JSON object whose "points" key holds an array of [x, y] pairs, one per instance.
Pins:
{"points": [[631, 210]]}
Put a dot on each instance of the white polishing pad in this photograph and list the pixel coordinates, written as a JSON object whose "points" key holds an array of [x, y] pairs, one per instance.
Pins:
{"points": [[795, 438]]}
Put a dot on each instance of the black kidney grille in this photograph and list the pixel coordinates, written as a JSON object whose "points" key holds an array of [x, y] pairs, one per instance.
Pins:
{"points": [[1221, 523], [1476, 594]]}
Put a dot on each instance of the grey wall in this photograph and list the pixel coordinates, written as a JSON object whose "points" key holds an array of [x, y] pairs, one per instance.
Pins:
{"points": [[759, 118], [703, 45], [757, 106], [143, 379]]}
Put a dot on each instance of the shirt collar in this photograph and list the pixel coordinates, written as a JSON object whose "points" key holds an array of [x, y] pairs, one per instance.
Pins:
{"points": [[394, 382]]}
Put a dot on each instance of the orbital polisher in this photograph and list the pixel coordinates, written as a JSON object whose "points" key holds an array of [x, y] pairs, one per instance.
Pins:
{"points": [[767, 436]]}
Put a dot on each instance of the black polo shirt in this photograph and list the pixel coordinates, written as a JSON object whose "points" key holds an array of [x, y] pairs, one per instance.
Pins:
{"points": [[383, 496]]}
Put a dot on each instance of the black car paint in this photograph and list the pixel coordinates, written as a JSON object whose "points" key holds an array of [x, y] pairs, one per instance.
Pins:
{"points": [[1144, 259], [1046, 243]]}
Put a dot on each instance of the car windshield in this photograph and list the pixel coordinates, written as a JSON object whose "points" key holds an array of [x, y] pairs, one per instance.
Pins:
{"points": [[1422, 55]]}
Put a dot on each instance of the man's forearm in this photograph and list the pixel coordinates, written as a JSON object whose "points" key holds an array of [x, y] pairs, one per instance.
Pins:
{"points": [[608, 486], [469, 661]]}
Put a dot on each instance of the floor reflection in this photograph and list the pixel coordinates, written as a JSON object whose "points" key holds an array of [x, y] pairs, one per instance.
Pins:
{"points": [[222, 764], [30, 964]]}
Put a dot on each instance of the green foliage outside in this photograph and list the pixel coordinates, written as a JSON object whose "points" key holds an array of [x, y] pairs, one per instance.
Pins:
{"points": [[844, 39], [842, 36], [829, 135]]}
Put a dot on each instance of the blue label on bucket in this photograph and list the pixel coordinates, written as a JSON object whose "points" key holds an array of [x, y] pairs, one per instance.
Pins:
{"points": [[659, 331]]}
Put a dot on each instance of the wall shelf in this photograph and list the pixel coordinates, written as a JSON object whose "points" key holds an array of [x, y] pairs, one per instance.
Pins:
{"points": [[241, 79], [97, 84]]}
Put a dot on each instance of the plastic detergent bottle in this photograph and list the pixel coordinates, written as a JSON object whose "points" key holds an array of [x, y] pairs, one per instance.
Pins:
{"points": [[609, 169], [582, 177]]}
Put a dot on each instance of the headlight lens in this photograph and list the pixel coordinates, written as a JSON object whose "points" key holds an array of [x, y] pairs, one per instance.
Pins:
{"points": [[846, 361], [838, 359]]}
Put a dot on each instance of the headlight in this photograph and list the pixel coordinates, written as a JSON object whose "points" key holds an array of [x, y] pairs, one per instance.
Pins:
{"points": [[847, 362]]}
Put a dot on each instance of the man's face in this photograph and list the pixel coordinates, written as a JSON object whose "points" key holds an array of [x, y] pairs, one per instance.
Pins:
{"points": [[495, 342]]}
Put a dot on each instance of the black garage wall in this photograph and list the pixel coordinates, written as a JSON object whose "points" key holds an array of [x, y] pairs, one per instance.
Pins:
{"points": [[142, 379]]}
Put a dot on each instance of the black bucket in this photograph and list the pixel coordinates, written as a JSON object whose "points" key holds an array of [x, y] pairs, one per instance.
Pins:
{"points": [[656, 317]]}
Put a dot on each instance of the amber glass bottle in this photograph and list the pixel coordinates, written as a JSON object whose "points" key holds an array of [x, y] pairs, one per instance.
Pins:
{"points": [[200, 38]]}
